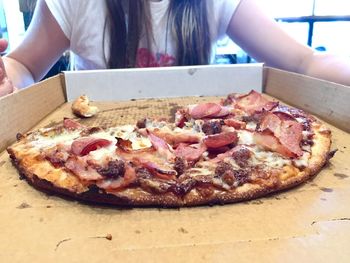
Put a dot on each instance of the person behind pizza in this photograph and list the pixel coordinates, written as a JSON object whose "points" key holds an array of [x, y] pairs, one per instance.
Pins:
{"points": [[150, 33]]}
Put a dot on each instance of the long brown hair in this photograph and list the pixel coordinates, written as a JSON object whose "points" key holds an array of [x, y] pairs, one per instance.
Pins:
{"points": [[128, 20]]}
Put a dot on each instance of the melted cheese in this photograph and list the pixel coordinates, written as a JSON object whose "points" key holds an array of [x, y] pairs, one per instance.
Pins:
{"points": [[270, 159], [251, 125], [127, 132], [303, 161], [245, 137], [42, 142], [102, 153]]}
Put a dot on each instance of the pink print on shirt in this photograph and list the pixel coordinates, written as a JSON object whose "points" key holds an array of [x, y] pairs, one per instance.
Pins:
{"points": [[145, 58]]}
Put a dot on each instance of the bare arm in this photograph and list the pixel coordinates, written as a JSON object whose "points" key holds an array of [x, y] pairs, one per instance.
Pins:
{"points": [[263, 39], [42, 46]]}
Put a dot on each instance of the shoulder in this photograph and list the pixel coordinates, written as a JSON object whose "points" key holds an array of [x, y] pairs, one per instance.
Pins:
{"points": [[73, 15], [220, 13]]}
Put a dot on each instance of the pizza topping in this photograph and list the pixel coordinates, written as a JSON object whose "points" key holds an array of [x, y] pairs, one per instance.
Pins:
{"points": [[71, 124], [180, 165], [288, 132], [223, 168], [221, 139], [121, 182], [255, 102], [241, 156], [270, 122], [90, 130], [141, 124], [177, 135], [190, 152], [181, 116], [183, 187], [235, 123], [161, 146], [242, 176], [56, 155], [270, 142], [85, 145], [291, 136], [114, 169], [205, 110], [157, 170], [80, 168], [231, 176], [212, 127], [154, 186]]}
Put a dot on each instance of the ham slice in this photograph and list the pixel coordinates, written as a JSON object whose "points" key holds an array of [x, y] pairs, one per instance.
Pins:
{"points": [[71, 124], [190, 152], [287, 132], [205, 110], [255, 102], [161, 146], [270, 142], [172, 137], [157, 170], [80, 168], [221, 139]]}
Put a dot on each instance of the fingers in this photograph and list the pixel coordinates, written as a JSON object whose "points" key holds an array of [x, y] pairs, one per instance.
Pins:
{"points": [[6, 87], [3, 45]]}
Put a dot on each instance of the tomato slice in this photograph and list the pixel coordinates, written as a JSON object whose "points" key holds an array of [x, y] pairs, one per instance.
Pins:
{"points": [[93, 146], [85, 145]]}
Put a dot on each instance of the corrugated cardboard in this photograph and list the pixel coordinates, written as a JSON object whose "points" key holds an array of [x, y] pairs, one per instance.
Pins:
{"points": [[308, 223]]}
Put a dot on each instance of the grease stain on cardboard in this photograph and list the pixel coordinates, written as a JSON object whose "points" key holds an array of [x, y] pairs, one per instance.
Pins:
{"points": [[341, 176], [24, 205]]}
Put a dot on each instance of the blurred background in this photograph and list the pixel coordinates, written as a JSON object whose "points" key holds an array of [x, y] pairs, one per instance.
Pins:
{"points": [[322, 24]]}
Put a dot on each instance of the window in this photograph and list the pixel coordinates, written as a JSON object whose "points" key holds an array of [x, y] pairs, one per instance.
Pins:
{"points": [[11, 20], [322, 24]]}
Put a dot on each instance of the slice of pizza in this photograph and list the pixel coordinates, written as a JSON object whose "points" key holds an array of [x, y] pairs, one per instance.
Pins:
{"points": [[239, 148]]}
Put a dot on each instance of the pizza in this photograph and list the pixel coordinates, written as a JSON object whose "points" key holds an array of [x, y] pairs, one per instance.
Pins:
{"points": [[237, 148]]}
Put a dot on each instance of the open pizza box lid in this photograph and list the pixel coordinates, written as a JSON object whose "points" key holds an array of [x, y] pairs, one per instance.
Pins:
{"points": [[310, 222]]}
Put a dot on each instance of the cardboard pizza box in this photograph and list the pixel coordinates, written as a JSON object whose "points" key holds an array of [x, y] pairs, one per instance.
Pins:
{"points": [[310, 222]]}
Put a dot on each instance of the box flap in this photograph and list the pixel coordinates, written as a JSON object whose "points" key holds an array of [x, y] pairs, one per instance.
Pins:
{"points": [[126, 84], [328, 100], [22, 110]]}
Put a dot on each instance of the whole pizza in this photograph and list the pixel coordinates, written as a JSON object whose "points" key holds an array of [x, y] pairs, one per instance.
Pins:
{"points": [[239, 148]]}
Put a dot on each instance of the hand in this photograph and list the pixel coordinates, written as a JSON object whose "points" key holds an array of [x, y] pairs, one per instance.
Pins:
{"points": [[6, 86]]}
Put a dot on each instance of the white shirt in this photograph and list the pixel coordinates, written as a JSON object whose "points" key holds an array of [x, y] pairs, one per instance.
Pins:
{"points": [[83, 23]]}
